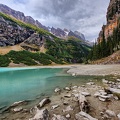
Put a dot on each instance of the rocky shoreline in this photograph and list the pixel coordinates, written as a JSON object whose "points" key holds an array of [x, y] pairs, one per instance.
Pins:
{"points": [[90, 101]]}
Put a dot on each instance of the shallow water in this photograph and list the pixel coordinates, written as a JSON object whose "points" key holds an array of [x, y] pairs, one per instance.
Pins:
{"points": [[18, 84]]}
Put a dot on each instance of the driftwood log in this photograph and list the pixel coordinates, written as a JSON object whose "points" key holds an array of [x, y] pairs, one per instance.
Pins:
{"points": [[84, 106]]}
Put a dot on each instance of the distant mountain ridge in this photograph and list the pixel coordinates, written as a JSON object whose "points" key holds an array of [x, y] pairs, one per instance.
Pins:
{"points": [[28, 19]]}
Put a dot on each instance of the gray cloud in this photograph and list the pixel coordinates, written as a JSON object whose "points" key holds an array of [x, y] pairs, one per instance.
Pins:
{"points": [[86, 16]]}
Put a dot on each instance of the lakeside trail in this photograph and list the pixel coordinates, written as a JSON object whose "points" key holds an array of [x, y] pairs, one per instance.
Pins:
{"points": [[99, 99]]}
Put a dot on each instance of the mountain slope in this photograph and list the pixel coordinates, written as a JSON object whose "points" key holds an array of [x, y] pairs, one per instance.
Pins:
{"points": [[28, 19], [33, 39]]}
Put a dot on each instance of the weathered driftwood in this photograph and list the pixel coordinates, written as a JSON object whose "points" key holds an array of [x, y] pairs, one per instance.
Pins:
{"points": [[84, 106]]}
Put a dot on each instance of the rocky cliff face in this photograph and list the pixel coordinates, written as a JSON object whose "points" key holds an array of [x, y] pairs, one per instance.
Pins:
{"points": [[12, 34], [20, 16], [113, 14]]}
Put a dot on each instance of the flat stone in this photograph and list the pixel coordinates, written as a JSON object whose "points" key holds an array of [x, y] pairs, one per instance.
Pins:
{"points": [[85, 94], [110, 113], [84, 116], [118, 80], [68, 108], [18, 103], [67, 95], [114, 90]]}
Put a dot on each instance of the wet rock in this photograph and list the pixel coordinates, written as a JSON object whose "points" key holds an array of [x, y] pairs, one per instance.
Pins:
{"points": [[67, 88], [57, 90], [55, 106], [41, 115], [68, 108], [110, 113], [19, 103], [68, 116], [84, 116], [58, 117], [118, 116], [85, 94], [44, 102], [17, 109]]}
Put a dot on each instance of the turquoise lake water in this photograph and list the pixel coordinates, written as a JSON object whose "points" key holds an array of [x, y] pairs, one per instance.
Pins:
{"points": [[18, 84]]}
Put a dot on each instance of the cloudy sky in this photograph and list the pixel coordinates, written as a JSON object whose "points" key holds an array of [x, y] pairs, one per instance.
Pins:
{"points": [[86, 16]]}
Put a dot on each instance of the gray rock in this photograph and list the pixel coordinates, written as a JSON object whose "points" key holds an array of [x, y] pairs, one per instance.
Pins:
{"points": [[68, 116], [67, 95], [85, 94], [84, 116], [110, 113], [67, 88], [57, 90], [102, 99], [105, 81], [114, 90], [44, 102], [68, 108], [17, 109], [118, 116]]}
